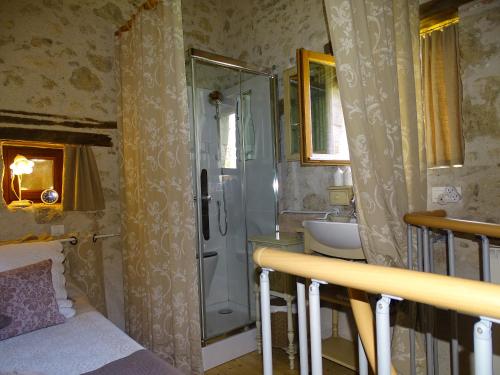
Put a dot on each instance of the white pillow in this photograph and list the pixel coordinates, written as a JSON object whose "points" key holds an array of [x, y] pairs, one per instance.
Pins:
{"points": [[22, 254]]}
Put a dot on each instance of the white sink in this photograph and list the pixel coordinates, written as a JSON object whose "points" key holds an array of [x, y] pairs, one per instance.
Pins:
{"points": [[334, 234]]}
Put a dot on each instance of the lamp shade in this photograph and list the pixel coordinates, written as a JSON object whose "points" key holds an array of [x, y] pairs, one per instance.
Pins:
{"points": [[21, 165]]}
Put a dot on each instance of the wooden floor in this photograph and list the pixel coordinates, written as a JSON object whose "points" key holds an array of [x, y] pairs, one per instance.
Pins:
{"points": [[252, 364]]}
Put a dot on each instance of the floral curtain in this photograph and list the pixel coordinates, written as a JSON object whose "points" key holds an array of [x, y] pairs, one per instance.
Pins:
{"points": [[84, 265], [158, 220], [376, 46]]}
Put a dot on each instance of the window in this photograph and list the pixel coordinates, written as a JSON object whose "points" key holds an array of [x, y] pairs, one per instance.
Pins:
{"points": [[46, 170], [324, 139], [228, 139]]}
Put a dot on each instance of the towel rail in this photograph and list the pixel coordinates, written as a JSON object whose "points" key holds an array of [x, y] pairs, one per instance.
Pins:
{"points": [[73, 240], [96, 237]]}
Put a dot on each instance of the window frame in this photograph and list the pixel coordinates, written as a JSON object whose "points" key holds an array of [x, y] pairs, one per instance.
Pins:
{"points": [[32, 151], [304, 58]]}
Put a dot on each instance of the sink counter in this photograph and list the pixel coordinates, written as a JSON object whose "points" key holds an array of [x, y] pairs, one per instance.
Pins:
{"points": [[287, 241]]}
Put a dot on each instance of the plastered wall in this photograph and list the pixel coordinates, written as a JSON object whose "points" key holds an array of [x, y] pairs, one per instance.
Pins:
{"points": [[479, 177], [267, 34], [56, 57], [479, 48]]}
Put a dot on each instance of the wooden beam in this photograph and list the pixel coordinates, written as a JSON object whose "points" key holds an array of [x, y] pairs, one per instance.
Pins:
{"points": [[34, 118], [55, 136]]}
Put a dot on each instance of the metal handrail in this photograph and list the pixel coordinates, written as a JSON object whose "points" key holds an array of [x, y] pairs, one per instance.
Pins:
{"points": [[437, 219], [446, 292]]}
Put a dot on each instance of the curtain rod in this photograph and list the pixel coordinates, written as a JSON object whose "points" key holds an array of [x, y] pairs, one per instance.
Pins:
{"points": [[73, 240], [95, 237], [438, 26], [149, 4]]}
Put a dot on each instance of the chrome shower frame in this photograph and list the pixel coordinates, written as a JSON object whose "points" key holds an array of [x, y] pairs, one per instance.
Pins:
{"points": [[193, 56]]}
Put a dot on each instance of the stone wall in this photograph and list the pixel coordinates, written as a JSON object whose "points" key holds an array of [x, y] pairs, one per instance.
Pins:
{"points": [[203, 25], [294, 24], [479, 48], [479, 177], [274, 32], [57, 58], [270, 32], [267, 33]]}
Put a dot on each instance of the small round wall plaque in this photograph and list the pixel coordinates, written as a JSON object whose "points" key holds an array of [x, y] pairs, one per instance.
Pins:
{"points": [[49, 196]]}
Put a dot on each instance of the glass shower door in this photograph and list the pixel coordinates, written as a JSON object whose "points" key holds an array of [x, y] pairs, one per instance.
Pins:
{"points": [[221, 171], [234, 175]]}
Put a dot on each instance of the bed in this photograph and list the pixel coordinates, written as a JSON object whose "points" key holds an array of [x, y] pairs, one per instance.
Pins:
{"points": [[85, 343]]}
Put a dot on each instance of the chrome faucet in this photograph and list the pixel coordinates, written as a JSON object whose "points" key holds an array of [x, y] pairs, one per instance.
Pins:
{"points": [[334, 212]]}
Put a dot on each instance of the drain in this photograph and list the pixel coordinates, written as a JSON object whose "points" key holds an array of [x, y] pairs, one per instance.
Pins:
{"points": [[225, 311]]}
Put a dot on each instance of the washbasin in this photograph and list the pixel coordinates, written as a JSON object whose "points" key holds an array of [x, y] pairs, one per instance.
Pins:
{"points": [[334, 234]]}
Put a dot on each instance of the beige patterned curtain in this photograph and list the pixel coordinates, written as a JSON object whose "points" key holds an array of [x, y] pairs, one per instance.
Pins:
{"points": [[85, 268], [376, 44], [376, 47], [158, 220], [442, 97]]}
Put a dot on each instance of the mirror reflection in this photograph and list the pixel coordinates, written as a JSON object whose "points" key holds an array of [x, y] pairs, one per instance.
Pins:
{"points": [[294, 116], [42, 177], [329, 140], [292, 119], [323, 133]]}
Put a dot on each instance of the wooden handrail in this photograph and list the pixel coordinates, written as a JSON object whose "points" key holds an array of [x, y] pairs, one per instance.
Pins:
{"points": [[450, 293], [437, 213], [436, 219]]}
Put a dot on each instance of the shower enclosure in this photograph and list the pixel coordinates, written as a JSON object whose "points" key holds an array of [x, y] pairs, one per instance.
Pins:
{"points": [[233, 117]]}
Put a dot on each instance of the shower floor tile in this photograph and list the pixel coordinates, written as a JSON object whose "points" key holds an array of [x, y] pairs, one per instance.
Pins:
{"points": [[218, 323]]}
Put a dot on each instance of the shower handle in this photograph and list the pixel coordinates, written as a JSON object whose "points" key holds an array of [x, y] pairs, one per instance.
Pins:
{"points": [[207, 198]]}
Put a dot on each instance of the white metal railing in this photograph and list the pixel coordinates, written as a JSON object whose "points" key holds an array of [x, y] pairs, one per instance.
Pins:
{"points": [[422, 224], [446, 292]]}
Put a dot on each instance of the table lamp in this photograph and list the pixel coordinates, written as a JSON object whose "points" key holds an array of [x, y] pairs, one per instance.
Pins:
{"points": [[20, 166]]}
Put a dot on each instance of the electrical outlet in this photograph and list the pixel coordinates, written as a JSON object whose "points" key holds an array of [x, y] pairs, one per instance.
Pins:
{"points": [[446, 194], [57, 230]]}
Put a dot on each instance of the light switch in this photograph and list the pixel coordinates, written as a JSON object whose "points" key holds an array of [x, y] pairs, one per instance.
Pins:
{"points": [[57, 230]]}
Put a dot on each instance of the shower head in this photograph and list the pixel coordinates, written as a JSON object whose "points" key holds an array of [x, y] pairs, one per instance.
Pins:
{"points": [[215, 97]]}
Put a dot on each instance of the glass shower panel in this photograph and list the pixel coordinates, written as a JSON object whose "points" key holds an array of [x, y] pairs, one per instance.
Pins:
{"points": [[260, 172], [219, 151]]}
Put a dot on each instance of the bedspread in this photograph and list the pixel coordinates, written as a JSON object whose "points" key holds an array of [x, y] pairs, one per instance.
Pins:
{"points": [[83, 343]]}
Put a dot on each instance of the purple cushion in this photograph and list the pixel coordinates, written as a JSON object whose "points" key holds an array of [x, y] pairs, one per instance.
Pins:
{"points": [[27, 298], [5, 320]]}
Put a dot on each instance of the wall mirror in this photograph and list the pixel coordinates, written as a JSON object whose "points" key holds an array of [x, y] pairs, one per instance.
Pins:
{"points": [[323, 136], [291, 113]]}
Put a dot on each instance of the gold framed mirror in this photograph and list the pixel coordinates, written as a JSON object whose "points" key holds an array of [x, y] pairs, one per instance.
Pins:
{"points": [[291, 114], [323, 137]]}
